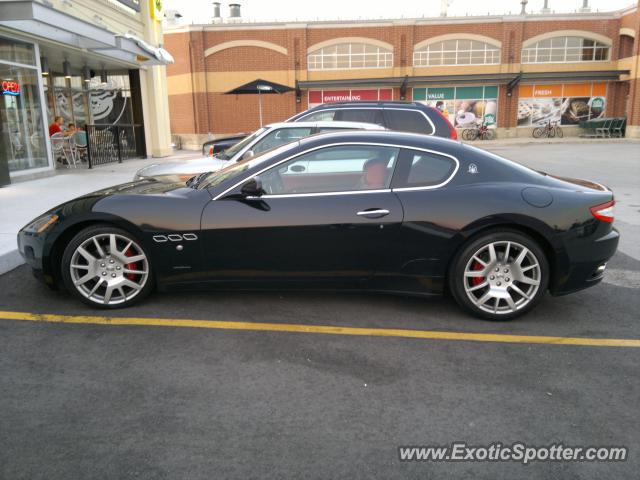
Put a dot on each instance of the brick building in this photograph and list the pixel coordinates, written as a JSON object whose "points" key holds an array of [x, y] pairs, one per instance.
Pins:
{"points": [[515, 71]]}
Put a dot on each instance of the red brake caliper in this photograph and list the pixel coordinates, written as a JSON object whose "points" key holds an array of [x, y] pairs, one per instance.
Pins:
{"points": [[475, 280], [132, 266]]}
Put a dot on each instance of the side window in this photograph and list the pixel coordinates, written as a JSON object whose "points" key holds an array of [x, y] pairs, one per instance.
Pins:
{"points": [[280, 137], [333, 169], [366, 115], [423, 169], [408, 121], [332, 129], [321, 116]]}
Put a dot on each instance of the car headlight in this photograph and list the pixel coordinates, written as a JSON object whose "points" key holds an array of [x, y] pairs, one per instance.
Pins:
{"points": [[40, 224]]}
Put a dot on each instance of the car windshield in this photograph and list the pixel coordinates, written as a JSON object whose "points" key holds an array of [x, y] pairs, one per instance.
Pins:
{"points": [[231, 151], [212, 179]]}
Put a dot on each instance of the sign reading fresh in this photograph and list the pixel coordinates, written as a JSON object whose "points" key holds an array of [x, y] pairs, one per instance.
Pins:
{"points": [[10, 87], [464, 106], [566, 104]]}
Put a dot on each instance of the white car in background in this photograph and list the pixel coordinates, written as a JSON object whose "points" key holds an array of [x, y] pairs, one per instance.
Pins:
{"points": [[263, 139]]}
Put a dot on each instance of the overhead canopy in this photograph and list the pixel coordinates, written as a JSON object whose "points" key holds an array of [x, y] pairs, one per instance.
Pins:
{"points": [[35, 19], [260, 86], [494, 78]]}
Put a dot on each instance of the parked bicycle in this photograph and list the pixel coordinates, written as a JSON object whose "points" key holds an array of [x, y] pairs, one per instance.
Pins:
{"points": [[550, 130], [483, 132]]}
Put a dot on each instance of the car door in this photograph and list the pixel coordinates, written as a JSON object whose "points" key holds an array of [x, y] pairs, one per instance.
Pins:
{"points": [[324, 223], [421, 248]]}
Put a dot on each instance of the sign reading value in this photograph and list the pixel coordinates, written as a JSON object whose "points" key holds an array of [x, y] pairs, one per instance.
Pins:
{"points": [[10, 87]]}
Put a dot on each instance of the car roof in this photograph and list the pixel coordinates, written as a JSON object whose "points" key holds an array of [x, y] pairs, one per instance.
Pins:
{"points": [[404, 139], [381, 103], [327, 124]]}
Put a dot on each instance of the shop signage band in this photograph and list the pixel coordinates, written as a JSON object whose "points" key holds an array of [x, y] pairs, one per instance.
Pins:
{"points": [[317, 97], [10, 87]]}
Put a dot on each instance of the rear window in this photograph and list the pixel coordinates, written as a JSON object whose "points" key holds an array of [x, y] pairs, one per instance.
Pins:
{"points": [[365, 115], [321, 116], [408, 121], [423, 169]]}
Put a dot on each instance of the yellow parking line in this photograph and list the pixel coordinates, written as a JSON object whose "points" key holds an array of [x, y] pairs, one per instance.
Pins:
{"points": [[326, 329]]}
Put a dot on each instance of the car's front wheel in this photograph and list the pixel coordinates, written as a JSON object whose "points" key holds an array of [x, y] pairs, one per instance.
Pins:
{"points": [[500, 275], [106, 267]]}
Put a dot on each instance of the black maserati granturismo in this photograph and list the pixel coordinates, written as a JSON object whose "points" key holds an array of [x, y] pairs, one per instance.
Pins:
{"points": [[376, 211]]}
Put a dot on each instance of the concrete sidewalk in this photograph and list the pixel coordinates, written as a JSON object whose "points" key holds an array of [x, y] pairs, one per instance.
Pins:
{"points": [[24, 201]]}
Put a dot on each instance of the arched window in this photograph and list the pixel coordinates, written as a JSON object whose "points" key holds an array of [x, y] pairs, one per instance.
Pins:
{"points": [[349, 55], [456, 52], [565, 49]]}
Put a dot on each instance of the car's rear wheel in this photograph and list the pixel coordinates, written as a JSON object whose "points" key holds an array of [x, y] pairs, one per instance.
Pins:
{"points": [[500, 275], [106, 267]]}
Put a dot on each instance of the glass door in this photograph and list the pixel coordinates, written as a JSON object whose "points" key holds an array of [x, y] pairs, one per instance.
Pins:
{"points": [[21, 126]]}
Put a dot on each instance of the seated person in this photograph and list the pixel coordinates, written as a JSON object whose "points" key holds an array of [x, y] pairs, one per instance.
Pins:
{"points": [[71, 129], [56, 126], [374, 174]]}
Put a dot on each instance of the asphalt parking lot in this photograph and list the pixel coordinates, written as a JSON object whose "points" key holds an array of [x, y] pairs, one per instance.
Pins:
{"points": [[268, 392]]}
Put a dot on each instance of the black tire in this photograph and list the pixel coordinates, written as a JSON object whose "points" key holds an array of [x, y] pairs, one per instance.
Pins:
{"points": [[457, 276], [472, 133], [559, 133], [538, 132], [490, 134], [123, 236]]}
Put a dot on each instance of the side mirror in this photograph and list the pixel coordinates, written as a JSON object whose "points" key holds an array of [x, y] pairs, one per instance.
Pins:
{"points": [[248, 154], [252, 188]]}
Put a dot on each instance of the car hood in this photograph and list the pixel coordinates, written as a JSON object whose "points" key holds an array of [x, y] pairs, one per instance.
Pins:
{"points": [[184, 167], [147, 186]]}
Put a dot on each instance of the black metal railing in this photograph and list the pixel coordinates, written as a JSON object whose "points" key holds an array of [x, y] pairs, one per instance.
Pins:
{"points": [[114, 143]]}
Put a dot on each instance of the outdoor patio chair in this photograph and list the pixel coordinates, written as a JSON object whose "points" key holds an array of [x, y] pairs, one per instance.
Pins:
{"points": [[17, 146], [80, 144], [62, 149]]}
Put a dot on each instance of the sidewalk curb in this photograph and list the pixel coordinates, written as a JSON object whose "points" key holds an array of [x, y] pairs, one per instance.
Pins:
{"points": [[10, 260]]}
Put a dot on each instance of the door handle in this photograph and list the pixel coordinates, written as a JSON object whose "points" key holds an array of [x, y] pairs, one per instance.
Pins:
{"points": [[373, 213]]}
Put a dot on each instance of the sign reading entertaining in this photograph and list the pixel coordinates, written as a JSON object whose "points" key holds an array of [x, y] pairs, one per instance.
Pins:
{"points": [[318, 97]]}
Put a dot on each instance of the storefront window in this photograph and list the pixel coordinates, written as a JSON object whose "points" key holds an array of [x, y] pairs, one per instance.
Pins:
{"points": [[463, 106], [456, 52], [21, 126], [349, 56], [565, 49], [567, 104], [93, 102], [17, 52], [111, 102]]}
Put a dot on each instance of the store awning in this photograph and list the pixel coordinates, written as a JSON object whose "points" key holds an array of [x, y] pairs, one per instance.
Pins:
{"points": [[482, 78], [38, 20]]}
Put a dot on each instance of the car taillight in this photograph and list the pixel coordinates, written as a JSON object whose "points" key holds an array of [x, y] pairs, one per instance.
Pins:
{"points": [[453, 133], [604, 211], [211, 151]]}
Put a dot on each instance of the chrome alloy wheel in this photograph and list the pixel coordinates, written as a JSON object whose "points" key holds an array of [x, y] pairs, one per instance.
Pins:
{"points": [[109, 268], [502, 277]]}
